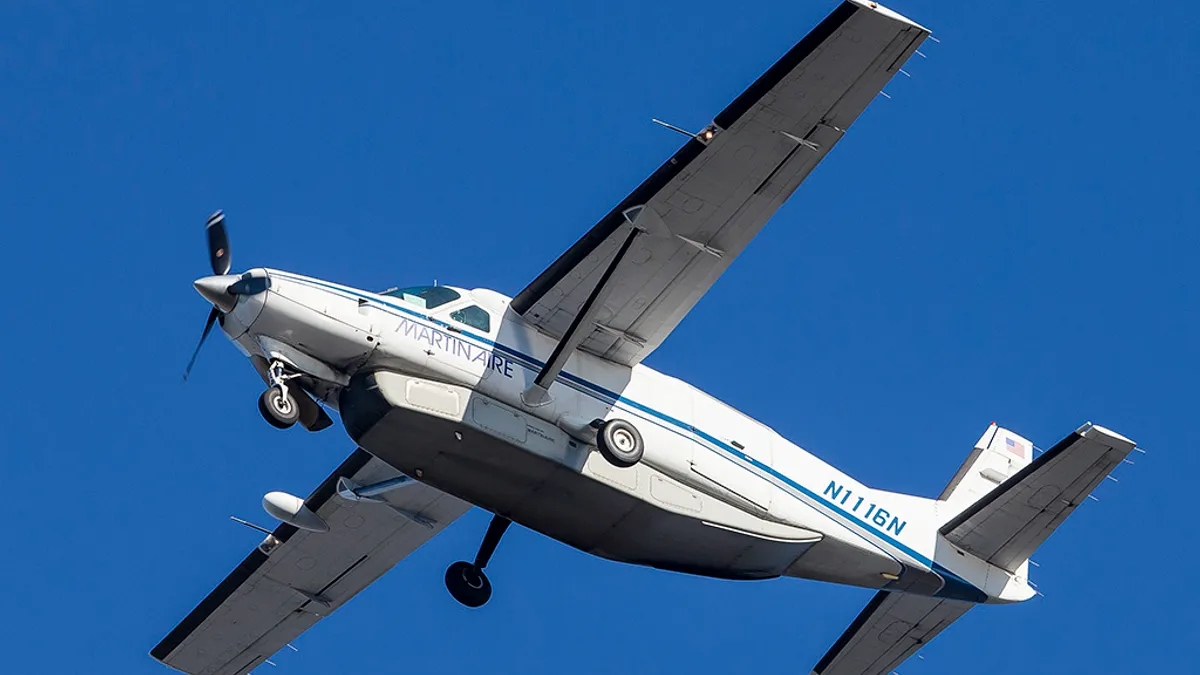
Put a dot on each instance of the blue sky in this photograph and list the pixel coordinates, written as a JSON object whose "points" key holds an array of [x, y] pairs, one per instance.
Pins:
{"points": [[1011, 237]]}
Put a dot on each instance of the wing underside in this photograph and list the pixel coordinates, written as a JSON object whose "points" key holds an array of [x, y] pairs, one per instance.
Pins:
{"points": [[296, 577], [698, 211]]}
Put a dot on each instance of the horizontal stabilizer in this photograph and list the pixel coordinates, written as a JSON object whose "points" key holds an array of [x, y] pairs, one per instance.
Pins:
{"points": [[891, 628], [1009, 523]]}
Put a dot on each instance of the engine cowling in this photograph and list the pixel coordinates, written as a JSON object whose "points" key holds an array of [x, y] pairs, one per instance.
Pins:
{"points": [[291, 509]]}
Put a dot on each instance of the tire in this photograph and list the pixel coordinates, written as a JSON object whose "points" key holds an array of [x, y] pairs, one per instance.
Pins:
{"points": [[278, 410], [620, 443], [468, 585]]}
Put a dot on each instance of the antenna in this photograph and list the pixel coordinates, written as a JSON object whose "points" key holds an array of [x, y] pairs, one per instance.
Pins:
{"points": [[705, 136], [250, 525]]}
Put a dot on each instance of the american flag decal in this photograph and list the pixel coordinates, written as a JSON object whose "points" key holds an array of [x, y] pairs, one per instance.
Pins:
{"points": [[1015, 448]]}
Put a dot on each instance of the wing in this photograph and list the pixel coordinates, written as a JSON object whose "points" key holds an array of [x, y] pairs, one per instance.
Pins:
{"points": [[700, 209], [891, 628], [296, 577], [1009, 523]]}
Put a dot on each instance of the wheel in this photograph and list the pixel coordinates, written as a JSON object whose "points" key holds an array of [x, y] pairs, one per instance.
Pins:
{"points": [[468, 585], [278, 409], [620, 443]]}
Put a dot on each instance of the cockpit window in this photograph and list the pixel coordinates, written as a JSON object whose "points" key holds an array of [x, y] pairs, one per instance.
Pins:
{"points": [[474, 316], [425, 297]]}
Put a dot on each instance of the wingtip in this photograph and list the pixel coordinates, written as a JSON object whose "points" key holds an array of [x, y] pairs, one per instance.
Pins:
{"points": [[880, 9]]}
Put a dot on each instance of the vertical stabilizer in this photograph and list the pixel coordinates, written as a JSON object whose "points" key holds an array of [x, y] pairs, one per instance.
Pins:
{"points": [[997, 456]]}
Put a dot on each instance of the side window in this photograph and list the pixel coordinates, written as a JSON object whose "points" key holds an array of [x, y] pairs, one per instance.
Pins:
{"points": [[425, 297], [473, 316]]}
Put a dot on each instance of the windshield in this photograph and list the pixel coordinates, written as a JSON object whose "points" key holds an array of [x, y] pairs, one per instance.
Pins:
{"points": [[425, 297]]}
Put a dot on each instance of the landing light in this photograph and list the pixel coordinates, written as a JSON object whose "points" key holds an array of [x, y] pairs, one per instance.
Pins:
{"points": [[292, 510]]}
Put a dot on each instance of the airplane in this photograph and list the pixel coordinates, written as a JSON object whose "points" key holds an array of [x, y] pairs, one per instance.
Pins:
{"points": [[538, 409]]}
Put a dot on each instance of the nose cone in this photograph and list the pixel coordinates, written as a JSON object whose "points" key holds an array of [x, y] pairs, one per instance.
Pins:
{"points": [[215, 289]]}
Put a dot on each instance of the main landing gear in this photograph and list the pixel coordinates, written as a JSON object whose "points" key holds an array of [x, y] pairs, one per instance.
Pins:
{"points": [[620, 443], [277, 404], [466, 581]]}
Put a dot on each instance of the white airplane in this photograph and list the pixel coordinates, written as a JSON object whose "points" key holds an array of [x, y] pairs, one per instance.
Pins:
{"points": [[538, 409]]}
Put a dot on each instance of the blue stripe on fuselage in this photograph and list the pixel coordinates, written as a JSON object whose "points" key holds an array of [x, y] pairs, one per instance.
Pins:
{"points": [[954, 587]]}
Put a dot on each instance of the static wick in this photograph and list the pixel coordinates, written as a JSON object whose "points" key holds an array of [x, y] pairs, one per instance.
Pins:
{"points": [[885, 95], [1112, 479], [904, 73], [920, 54], [935, 39]]}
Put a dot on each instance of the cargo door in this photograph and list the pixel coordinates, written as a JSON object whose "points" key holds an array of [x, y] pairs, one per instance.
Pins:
{"points": [[732, 451]]}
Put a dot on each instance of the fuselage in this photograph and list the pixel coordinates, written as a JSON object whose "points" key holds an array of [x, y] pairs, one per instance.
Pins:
{"points": [[761, 486]]}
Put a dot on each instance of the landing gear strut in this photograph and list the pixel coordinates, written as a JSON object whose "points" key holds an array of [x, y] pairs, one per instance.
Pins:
{"points": [[277, 405], [466, 581]]}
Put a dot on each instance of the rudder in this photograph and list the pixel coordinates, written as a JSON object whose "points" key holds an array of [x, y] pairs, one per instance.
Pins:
{"points": [[997, 456]]}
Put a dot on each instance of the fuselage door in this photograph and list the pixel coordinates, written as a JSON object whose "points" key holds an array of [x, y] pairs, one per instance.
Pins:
{"points": [[732, 451], [460, 346]]}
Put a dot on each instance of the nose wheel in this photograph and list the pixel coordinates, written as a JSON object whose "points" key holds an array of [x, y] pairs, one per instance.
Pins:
{"points": [[466, 581], [277, 404], [279, 407]]}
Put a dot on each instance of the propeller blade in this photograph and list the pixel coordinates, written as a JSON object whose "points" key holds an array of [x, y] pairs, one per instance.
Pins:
{"points": [[212, 318], [218, 243]]}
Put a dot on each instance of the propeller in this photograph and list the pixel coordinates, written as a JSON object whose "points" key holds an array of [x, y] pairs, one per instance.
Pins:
{"points": [[218, 243], [213, 288], [212, 318]]}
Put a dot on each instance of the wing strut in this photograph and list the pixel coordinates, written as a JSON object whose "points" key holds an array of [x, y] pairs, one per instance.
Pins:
{"points": [[538, 393]]}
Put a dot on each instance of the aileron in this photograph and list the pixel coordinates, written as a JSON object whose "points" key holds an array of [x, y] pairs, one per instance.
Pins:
{"points": [[711, 198]]}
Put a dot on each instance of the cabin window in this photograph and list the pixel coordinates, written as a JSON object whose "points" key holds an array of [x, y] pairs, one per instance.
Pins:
{"points": [[473, 316], [425, 297]]}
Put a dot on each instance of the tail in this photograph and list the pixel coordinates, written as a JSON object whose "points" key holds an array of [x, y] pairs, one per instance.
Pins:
{"points": [[998, 456], [1003, 504]]}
